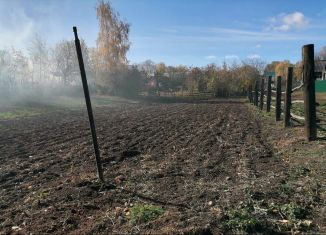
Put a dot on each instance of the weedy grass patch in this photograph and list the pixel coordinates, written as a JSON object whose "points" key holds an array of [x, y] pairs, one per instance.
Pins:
{"points": [[42, 194], [242, 219], [293, 211], [296, 217], [141, 213], [286, 188], [19, 113], [299, 171]]}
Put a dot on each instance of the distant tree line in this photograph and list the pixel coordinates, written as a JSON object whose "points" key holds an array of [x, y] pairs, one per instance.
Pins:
{"points": [[109, 71], [223, 81]]}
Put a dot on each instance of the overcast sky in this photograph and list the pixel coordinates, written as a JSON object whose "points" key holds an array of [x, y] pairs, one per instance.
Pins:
{"points": [[190, 32]]}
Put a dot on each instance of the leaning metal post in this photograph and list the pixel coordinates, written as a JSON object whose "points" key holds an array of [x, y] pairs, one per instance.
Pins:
{"points": [[89, 107]]}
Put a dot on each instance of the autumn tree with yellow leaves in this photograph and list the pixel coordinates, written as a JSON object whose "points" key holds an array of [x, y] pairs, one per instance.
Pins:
{"points": [[280, 68], [112, 47]]}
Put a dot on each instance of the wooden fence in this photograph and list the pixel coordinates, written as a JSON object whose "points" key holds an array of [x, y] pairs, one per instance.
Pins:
{"points": [[256, 96]]}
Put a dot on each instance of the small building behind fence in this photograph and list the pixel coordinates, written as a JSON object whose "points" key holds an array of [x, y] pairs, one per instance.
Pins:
{"points": [[320, 69]]}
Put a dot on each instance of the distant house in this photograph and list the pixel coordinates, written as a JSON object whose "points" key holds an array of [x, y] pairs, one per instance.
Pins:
{"points": [[320, 69], [270, 74], [152, 83]]}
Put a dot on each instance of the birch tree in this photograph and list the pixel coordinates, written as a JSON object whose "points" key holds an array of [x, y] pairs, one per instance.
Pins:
{"points": [[112, 46]]}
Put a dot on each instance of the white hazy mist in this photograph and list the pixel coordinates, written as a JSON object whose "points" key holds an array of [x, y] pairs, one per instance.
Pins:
{"points": [[21, 20], [20, 24], [16, 27]]}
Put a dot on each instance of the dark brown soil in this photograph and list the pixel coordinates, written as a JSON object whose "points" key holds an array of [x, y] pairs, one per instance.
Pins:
{"points": [[196, 161]]}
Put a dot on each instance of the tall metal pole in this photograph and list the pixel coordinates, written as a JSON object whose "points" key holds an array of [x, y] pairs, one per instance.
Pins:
{"points": [[89, 106], [309, 91]]}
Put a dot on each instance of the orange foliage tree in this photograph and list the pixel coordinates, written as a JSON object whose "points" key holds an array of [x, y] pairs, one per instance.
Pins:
{"points": [[112, 47]]}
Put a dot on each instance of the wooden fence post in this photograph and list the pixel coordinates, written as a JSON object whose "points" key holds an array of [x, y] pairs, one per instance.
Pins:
{"points": [[256, 94], [250, 93], [262, 93], [287, 100], [309, 91], [252, 96], [278, 99], [269, 94]]}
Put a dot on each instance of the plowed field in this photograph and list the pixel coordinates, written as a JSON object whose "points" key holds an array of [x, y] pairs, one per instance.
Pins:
{"points": [[195, 161]]}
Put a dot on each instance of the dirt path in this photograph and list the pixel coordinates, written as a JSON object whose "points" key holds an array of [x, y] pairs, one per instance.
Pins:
{"points": [[196, 161]]}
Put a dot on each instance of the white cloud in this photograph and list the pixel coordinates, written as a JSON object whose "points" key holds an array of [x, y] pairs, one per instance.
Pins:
{"points": [[258, 46], [287, 22], [232, 57], [210, 57], [253, 56], [168, 30]]}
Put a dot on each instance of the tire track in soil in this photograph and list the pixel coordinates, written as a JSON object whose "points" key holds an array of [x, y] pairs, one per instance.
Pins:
{"points": [[191, 154]]}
